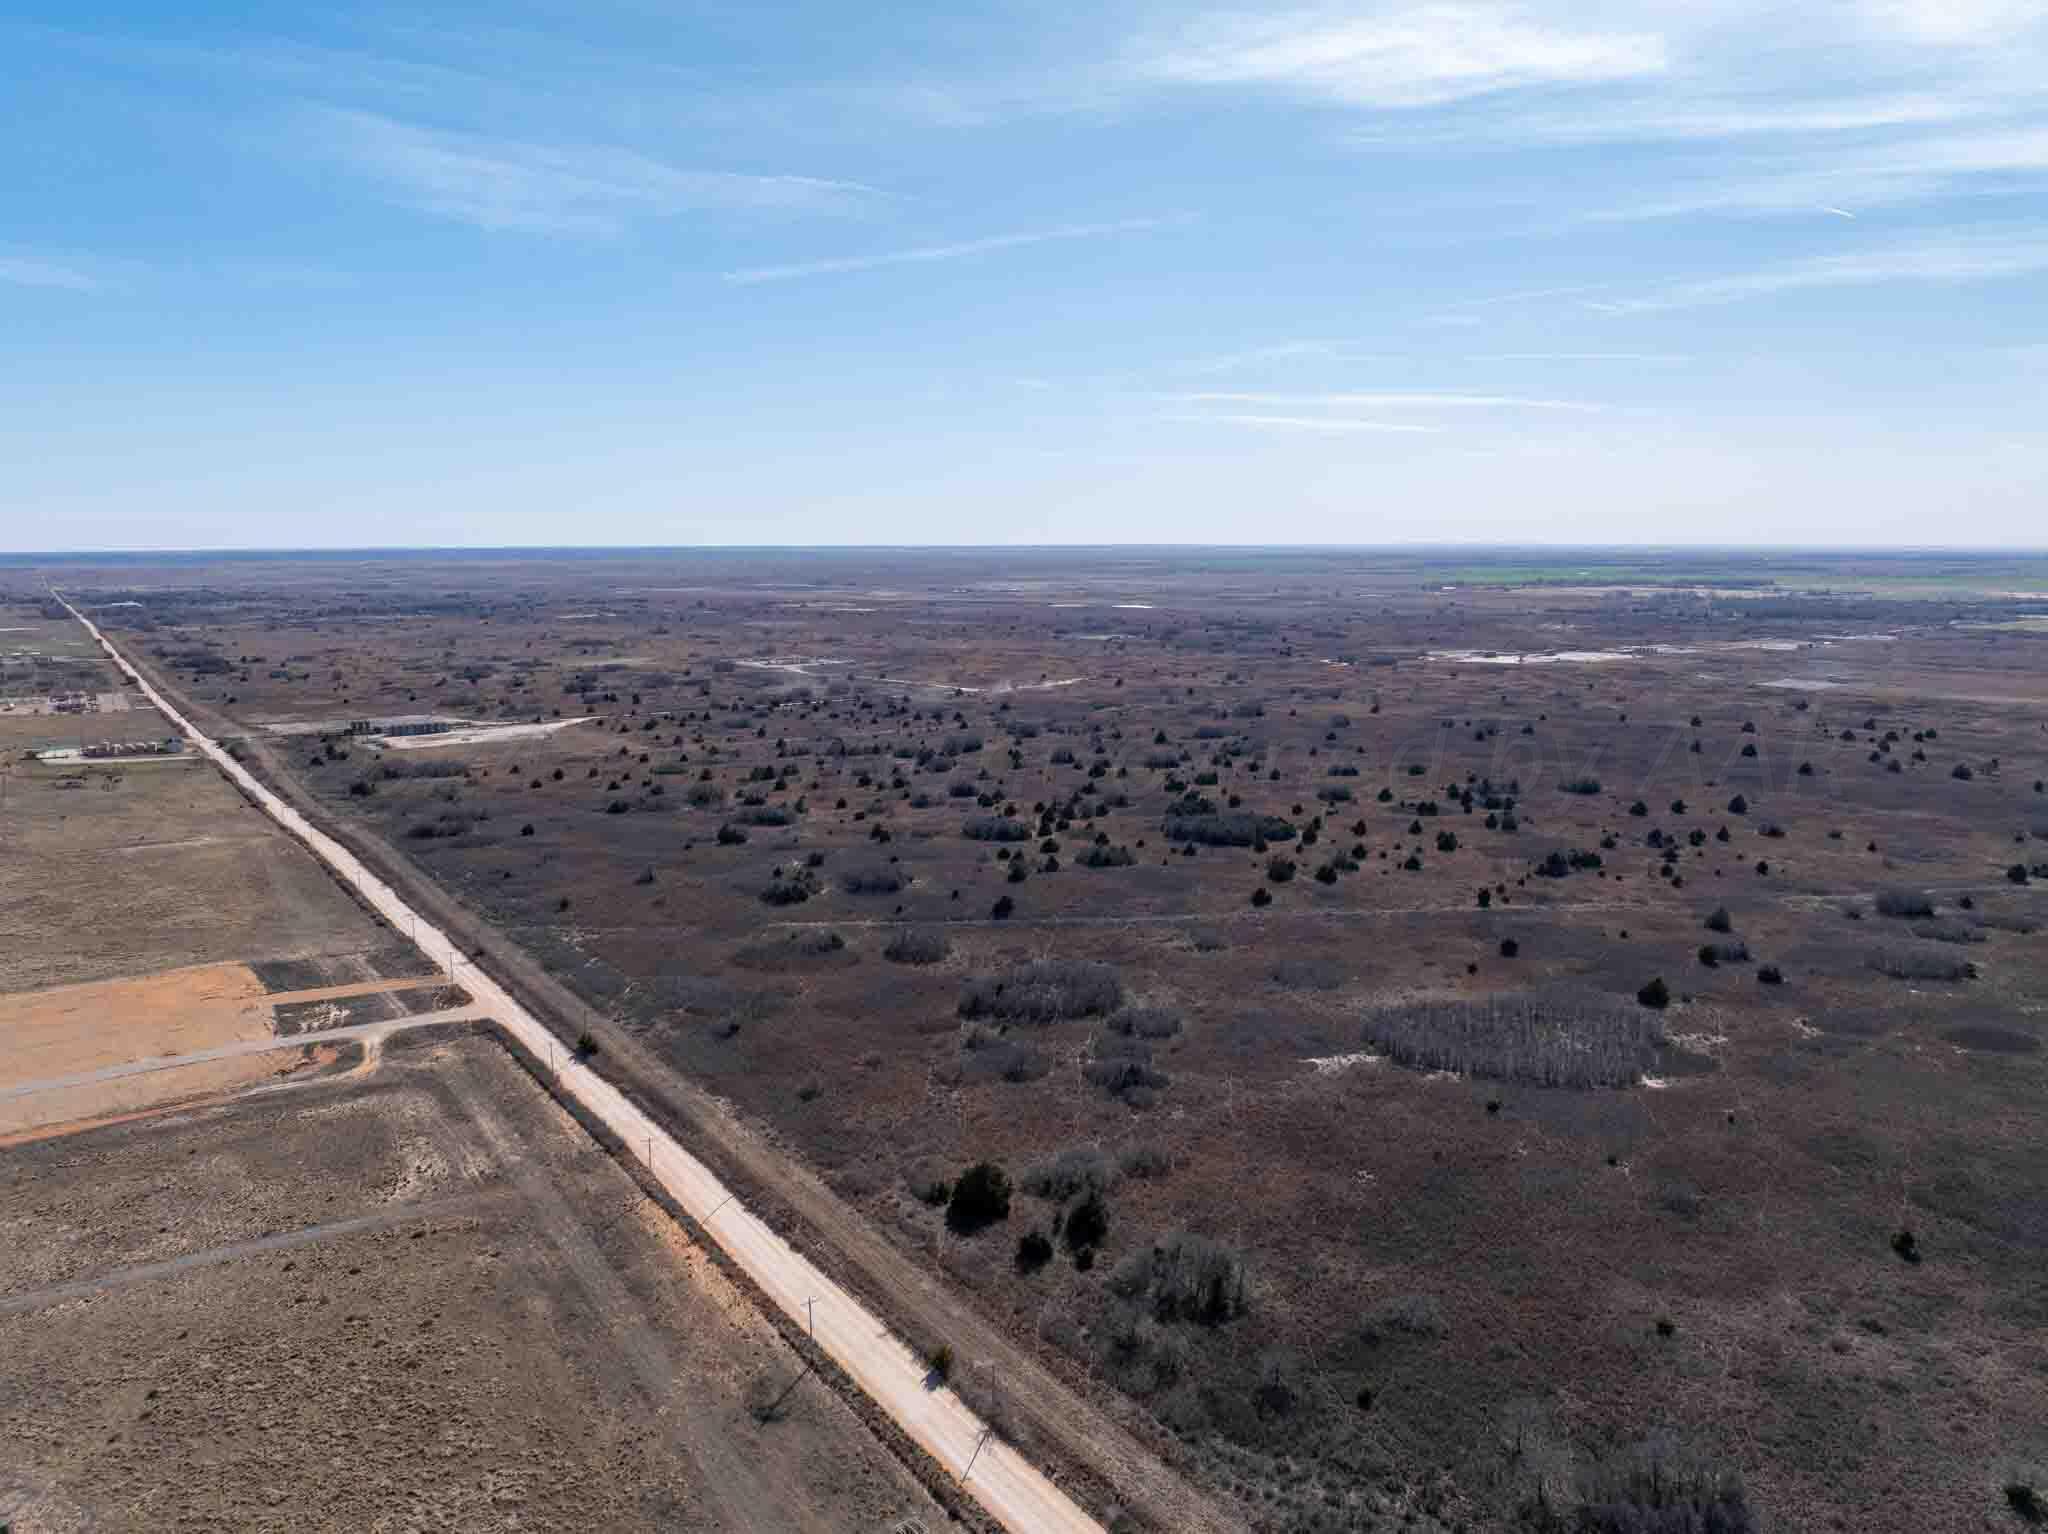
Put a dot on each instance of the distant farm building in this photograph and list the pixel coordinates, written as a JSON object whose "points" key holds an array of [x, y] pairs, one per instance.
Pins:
{"points": [[170, 745], [112, 750], [404, 726]]}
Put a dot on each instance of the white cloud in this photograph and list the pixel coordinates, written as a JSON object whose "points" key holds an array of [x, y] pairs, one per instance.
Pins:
{"points": [[1679, 117], [24, 272], [1409, 401], [1263, 356], [1526, 295], [1836, 181], [1862, 104], [1954, 23], [498, 183], [1578, 357], [1949, 259], [920, 254], [1305, 423], [1398, 56]]}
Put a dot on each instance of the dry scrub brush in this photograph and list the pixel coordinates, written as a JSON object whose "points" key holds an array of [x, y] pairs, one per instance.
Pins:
{"points": [[1075, 1170], [916, 945], [994, 828], [873, 879], [1146, 1022], [1184, 1277]]}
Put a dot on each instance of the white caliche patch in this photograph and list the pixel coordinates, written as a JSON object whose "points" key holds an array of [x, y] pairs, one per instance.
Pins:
{"points": [[1702, 1043], [1551, 658], [481, 735]]}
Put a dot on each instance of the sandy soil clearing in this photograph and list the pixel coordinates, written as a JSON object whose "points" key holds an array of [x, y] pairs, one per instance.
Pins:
{"points": [[101, 1101], [76, 1028]]}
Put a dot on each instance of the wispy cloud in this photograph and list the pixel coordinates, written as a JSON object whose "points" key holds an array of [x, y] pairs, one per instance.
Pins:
{"points": [[1948, 259], [1578, 357], [26, 272], [238, 61], [960, 250], [508, 184], [1857, 105], [1385, 401], [1518, 73], [1349, 411], [1528, 295], [1263, 356], [1660, 116], [1839, 182], [1314, 356], [1312, 423], [1399, 56]]}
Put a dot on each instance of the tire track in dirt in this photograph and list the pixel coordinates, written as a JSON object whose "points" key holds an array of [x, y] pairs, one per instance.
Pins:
{"points": [[151, 1272], [739, 1497]]}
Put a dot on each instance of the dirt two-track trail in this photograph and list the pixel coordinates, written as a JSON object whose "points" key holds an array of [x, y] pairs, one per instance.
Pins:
{"points": [[1013, 1491]]}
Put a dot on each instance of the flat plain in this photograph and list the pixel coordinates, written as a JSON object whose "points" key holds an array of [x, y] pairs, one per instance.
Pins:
{"points": [[1471, 1043], [292, 1242]]}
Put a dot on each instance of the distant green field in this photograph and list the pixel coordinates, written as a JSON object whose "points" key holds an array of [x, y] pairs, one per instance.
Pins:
{"points": [[1882, 574]]}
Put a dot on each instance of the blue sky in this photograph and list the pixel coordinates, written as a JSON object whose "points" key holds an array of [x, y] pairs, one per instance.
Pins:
{"points": [[620, 271]]}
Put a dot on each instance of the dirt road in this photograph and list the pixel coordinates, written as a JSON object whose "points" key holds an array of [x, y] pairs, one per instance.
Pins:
{"points": [[365, 1032], [1014, 1492]]}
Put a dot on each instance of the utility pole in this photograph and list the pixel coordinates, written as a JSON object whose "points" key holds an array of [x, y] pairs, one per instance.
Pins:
{"points": [[986, 1434], [1243, 1166], [811, 1319]]}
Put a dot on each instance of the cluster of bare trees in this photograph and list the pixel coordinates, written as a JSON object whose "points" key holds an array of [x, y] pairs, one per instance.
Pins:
{"points": [[1546, 1041], [1044, 991]]}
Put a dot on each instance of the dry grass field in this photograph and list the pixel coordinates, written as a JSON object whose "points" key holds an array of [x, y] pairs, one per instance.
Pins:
{"points": [[1468, 1045], [424, 1302], [135, 868]]}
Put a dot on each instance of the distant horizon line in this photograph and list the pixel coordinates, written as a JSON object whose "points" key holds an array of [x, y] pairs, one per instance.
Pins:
{"points": [[15, 556]]}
